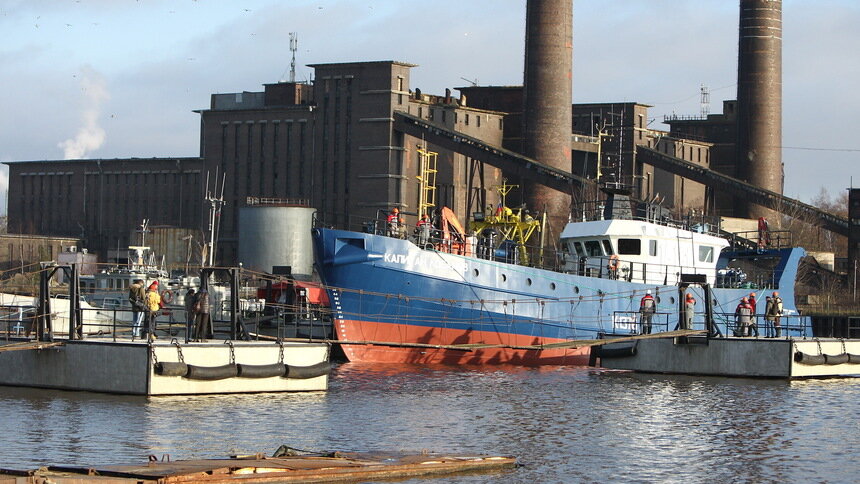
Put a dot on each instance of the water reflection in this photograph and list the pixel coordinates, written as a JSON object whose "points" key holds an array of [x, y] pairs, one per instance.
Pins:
{"points": [[564, 424]]}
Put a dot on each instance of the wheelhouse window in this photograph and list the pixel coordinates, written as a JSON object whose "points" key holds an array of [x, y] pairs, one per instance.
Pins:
{"points": [[607, 247], [706, 253], [629, 247], [592, 248]]}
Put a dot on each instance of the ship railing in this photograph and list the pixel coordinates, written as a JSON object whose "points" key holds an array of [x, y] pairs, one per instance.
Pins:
{"points": [[633, 322], [789, 325], [17, 320], [754, 239], [694, 222]]}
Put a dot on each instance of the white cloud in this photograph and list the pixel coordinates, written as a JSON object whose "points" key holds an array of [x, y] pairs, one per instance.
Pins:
{"points": [[91, 136]]}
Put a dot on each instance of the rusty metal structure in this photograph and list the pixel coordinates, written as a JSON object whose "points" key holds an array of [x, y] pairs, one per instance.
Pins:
{"points": [[547, 100], [759, 159]]}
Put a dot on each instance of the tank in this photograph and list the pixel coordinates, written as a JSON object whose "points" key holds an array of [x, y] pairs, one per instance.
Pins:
{"points": [[272, 236]]}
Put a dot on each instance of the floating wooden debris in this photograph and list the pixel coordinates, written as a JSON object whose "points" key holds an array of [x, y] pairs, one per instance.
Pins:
{"points": [[332, 467]]}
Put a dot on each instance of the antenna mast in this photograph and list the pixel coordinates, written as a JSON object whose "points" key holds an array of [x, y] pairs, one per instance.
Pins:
{"points": [[216, 200], [294, 46], [705, 103]]}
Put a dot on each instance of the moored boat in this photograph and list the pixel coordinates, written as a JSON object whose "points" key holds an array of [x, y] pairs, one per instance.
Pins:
{"points": [[471, 300]]}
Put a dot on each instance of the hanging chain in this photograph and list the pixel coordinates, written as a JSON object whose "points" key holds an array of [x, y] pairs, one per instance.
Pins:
{"points": [[232, 352], [281, 353], [179, 351]]}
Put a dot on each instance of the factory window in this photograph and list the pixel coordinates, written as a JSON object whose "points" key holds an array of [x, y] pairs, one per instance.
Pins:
{"points": [[399, 83], [466, 121], [236, 140], [500, 123], [420, 111], [430, 113], [455, 117], [400, 99], [263, 141], [478, 120], [444, 113]]}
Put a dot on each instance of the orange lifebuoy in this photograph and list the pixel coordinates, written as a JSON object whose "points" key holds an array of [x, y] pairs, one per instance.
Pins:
{"points": [[166, 296], [613, 262]]}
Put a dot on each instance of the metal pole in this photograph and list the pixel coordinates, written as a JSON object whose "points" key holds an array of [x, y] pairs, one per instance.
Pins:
{"points": [[73, 296], [234, 301]]}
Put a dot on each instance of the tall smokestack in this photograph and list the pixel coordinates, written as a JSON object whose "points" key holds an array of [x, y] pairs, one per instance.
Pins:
{"points": [[547, 97], [759, 156]]}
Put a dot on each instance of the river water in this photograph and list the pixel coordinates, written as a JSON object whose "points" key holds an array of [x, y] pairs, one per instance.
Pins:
{"points": [[564, 424]]}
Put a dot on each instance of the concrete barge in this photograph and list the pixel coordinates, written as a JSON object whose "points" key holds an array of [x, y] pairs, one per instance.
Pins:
{"points": [[788, 357], [165, 367]]}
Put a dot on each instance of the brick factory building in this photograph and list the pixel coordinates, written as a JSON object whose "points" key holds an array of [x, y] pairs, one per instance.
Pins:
{"points": [[331, 142]]}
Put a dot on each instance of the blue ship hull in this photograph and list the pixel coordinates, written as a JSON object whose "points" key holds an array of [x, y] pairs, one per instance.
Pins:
{"points": [[387, 290]]}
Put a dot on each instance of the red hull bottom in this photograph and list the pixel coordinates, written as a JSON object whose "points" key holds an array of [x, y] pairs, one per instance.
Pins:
{"points": [[393, 334]]}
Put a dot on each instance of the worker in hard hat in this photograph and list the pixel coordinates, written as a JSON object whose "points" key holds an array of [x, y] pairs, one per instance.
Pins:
{"points": [[395, 223]]}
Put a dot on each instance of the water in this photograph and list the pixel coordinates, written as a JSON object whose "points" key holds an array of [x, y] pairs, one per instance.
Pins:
{"points": [[563, 424]]}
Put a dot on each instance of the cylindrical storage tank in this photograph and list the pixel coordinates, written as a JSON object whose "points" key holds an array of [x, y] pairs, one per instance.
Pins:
{"points": [[271, 235], [547, 98], [759, 145]]}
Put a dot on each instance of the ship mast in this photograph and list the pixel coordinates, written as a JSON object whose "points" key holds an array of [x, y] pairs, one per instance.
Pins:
{"points": [[216, 201]]}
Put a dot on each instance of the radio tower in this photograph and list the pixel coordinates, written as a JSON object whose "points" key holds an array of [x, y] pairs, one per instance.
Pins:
{"points": [[705, 103], [294, 46]]}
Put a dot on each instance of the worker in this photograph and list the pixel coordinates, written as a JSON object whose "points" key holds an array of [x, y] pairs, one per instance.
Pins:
{"points": [[742, 317], [394, 223], [689, 311], [647, 308], [190, 299], [776, 309], [203, 322], [153, 307], [137, 296], [422, 230], [752, 302]]}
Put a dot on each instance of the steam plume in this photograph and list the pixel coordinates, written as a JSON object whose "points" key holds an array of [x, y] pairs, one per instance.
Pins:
{"points": [[90, 135]]}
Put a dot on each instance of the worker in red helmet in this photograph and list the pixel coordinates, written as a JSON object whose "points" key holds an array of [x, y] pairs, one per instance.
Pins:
{"points": [[689, 311], [395, 223], [153, 307]]}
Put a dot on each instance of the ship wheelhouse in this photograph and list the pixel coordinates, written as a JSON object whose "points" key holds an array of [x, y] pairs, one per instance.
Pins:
{"points": [[639, 251]]}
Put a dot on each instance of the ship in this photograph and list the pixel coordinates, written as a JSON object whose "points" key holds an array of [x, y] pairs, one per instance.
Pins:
{"points": [[486, 298]]}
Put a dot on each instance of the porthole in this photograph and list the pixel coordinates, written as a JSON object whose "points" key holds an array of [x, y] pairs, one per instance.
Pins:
{"points": [[657, 299], [504, 278], [552, 286], [475, 272], [576, 289], [528, 281], [672, 300]]}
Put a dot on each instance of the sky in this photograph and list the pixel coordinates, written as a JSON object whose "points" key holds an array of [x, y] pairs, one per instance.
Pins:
{"points": [[121, 78]]}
